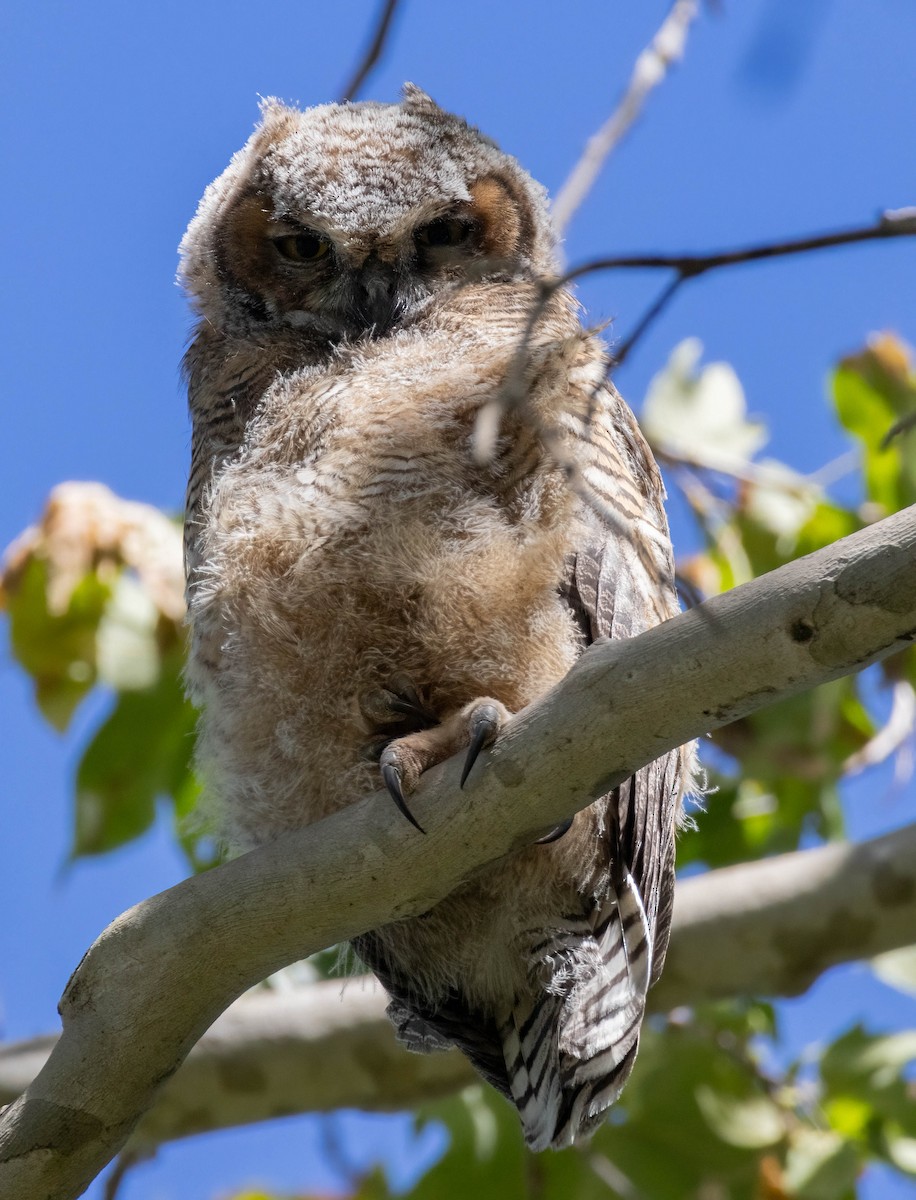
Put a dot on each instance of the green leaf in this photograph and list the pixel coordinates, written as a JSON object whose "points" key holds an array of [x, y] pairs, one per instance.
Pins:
{"points": [[820, 1165], [58, 649], [859, 1059], [667, 1135], [788, 762], [864, 1069], [488, 1160], [142, 751], [872, 391], [486, 1155]]}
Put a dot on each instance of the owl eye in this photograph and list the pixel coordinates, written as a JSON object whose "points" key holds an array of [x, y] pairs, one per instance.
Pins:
{"points": [[302, 247], [447, 231]]}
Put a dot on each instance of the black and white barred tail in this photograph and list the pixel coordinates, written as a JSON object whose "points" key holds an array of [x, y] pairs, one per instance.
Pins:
{"points": [[569, 1051], [563, 1053]]}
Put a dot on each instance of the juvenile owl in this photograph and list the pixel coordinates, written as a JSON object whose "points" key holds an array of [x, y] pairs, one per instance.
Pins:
{"points": [[368, 598]]}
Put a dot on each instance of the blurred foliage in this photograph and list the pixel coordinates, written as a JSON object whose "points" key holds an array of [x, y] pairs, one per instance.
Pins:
{"points": [[94, 595], [94, 599], [774, 775], [700, 1118]]}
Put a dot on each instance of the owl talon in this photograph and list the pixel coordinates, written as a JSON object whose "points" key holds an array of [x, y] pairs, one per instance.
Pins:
{"points": [[395, 707], [408, 708], [391, 777], [406, 699], [484, 726], [375, 748], [555, 834]]}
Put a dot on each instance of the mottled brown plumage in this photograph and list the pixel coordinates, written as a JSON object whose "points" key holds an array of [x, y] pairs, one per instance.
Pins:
{"points": [[360, 584]]}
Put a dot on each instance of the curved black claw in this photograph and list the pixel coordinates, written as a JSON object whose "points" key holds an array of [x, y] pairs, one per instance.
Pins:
{"points": [[555, 834], [408, 708], [391, 777], [375, 747], [484, 728], [405, 700]]}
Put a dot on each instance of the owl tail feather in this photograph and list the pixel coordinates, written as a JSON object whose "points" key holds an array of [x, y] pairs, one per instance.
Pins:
{"points": [[569, 1050]]}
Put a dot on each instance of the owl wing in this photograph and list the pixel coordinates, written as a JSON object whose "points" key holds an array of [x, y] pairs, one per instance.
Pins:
{"points": [[619, 583], [423, 1029], [570, 1048]]}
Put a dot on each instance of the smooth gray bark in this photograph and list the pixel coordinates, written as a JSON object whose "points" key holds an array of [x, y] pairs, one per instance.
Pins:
{"points": [[766, 928]]}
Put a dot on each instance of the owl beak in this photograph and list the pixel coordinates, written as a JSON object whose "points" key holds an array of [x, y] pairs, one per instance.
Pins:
{"points": [[376, 296]]}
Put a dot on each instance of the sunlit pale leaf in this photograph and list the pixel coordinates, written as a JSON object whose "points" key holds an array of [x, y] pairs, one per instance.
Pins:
{"points": [[127, 647], [750, 1122], [780, 500], [902, 1153], [820, 1165], [700, 414], [897, 968], [94, 593]]}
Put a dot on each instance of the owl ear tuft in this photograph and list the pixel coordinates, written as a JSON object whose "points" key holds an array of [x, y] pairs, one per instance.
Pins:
{"points": [[416, 100], [277, 120]]}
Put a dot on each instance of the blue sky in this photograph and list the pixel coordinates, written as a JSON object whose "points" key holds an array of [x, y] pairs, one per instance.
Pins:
{"points": [[784, 118]]}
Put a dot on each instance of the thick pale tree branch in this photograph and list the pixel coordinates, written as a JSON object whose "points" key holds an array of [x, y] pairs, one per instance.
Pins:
{"points": [[767, 928], [160, 975]]}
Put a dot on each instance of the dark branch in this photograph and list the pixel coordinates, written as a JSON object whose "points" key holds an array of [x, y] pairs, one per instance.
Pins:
{"points": [[899, 223], [373, 53], [118, 1173], [902, 426]]}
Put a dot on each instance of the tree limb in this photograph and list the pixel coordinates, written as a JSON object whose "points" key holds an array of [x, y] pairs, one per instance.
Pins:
{"points": [[159, 976], [766, 928]]}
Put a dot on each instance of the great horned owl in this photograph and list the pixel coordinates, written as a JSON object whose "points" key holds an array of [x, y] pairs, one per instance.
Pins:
{"points": [[367, 597]]}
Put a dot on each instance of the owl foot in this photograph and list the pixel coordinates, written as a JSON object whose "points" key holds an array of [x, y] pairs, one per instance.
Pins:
{"points": [[404, 760]]}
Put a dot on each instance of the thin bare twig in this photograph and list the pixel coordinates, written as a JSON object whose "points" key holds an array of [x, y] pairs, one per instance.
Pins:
{"points": [[373, 52], [895, 733], [902, 426], [125, 1161], [897, 223], [649, 70]]}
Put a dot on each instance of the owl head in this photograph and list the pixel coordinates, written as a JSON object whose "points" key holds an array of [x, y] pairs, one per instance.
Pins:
{"points": [[348, 219]]}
